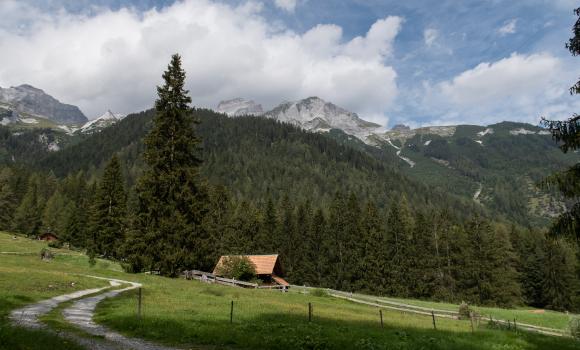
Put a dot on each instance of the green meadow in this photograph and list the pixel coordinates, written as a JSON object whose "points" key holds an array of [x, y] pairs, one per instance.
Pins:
{"points": [[192, 314]]}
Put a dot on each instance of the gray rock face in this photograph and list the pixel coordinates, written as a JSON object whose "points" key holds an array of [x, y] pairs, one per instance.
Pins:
{"points": [[238, 107], [28, 99], [315, 114]]}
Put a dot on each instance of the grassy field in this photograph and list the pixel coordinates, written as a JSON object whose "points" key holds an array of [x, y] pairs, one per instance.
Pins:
{"points": [[542, 318], [193, 314], [25, 279]]}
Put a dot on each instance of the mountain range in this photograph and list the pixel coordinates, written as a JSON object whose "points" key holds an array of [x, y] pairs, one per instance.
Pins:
{"points": [[495, 167]]}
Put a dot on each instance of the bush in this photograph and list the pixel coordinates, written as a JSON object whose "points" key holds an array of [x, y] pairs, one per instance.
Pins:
{"points": [[46, 254], [464, 311], [319, 292], [574, 327], [55, 244], [237, 267]]}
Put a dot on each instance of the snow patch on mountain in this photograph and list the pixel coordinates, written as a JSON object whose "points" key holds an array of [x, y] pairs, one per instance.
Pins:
{"points": [[522, 131], [107, 119], [29, 120], [238, 106], [485, 132]]}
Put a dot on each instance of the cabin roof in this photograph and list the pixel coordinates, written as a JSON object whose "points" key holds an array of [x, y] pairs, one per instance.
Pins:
{"points": [[264, 264]]}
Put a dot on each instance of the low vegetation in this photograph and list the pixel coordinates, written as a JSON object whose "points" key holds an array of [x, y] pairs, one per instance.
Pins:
{"points": [[191, 313]]}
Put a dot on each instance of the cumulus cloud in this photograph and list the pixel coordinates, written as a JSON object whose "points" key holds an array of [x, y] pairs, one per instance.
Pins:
{"points": [[286, 5], [430, 35], [518, 87], [509, 27], [114, 59]]}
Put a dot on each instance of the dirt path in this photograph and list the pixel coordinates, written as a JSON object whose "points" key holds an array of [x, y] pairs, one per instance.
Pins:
{"points": [[80, 314], [28, 316]]}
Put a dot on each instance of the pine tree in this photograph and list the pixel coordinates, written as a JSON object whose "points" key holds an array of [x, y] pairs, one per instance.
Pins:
{"points": [[371, 269], [7, 199], [316, 256], [108, 213], [398, 235], [169, 235], [53, 214], [559, 284], [27, 215]]}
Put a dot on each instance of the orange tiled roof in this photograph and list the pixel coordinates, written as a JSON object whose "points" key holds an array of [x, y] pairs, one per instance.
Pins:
{"points": [[280, 280], [264, 264]]}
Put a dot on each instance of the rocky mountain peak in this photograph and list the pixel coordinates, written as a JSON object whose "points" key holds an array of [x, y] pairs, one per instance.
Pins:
{"points": [[238, 106], [28, 99]]}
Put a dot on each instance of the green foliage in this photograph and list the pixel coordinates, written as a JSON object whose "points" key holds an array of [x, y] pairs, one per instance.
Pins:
{"points": [[168, 234], [108, 213], [319, 292], [574, 327], [237, 267], [464, 311]]}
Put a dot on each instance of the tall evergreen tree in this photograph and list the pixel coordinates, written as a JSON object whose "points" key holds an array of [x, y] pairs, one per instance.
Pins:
{"points": [[108, 213], [28, 214], [398, 235], [169, 234], [567, 182], [8, 200]]}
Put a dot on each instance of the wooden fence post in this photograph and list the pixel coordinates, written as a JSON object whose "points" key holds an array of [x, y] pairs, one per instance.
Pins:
{"points": [[309, 312], [139, 303], [381, 314], [471, 319], [232, 312], [509, 325], [515, 326], [433, 316]]}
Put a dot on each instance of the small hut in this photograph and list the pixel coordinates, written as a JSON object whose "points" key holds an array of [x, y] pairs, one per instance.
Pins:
{"points": [[48, 236], [268, 268]]}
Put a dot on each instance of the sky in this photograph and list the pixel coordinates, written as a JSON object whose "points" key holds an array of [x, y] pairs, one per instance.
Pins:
{"points": [[435, 62]]}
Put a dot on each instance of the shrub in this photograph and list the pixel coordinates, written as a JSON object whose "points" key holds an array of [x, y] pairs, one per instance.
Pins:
{"points": [[237, 267], [574, 327], [464, 311], [55, 244], [319, 292], [46, 254]]}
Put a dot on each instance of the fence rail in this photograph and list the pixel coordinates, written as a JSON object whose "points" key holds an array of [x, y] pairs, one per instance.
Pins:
{"points": [[211, 278], [397, 306]]}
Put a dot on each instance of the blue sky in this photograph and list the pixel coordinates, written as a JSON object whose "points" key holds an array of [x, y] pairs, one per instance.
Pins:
{"points": [[428, 62]]}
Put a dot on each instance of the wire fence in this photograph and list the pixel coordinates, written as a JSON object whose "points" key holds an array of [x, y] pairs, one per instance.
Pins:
{"points": [[432, 316]]}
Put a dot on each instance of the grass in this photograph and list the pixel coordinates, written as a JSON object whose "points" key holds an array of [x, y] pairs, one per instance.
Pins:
{"points": [[194, 314], [542, 318], [25, 279]]}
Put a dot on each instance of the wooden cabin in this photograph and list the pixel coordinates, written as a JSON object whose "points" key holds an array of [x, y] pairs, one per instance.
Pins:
{"points": [[47, 236], [268, 268]]}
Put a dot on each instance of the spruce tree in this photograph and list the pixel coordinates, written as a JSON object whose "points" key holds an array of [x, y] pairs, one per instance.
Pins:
{"points": [[108, 213], [399, 232], [7, 199], [371, 267], [28, 213], [53, 214], [169, 236]]}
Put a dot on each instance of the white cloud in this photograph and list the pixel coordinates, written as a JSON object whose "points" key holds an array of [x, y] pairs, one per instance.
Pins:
{"points": [[430, 35], [509, 27], [286, 5], [519, 87], [114, 59]]}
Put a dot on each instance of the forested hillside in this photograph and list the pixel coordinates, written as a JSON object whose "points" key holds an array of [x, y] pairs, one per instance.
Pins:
{"points": [[498, 166], [258, 158], [338, 212]]}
